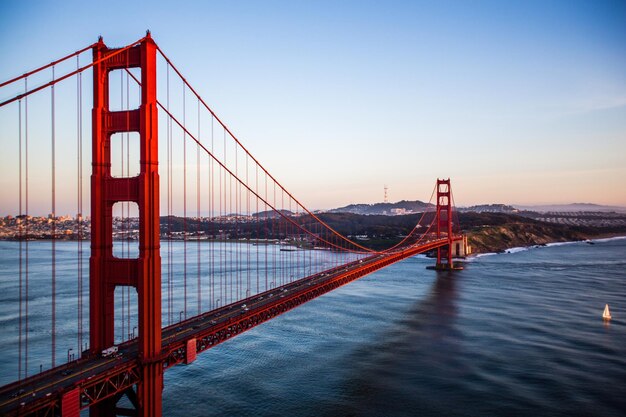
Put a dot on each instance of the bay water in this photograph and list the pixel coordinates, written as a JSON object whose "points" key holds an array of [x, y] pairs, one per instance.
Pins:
{"points": [[514, 334]]}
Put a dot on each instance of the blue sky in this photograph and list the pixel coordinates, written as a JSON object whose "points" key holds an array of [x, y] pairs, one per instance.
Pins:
{"points": [[518, 102]]}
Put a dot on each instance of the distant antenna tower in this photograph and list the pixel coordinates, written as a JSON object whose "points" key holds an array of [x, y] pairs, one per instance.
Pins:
{"points": [[386, 200]]}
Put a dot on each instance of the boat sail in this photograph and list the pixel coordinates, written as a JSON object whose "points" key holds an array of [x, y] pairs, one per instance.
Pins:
{"points": [[606, 315]]}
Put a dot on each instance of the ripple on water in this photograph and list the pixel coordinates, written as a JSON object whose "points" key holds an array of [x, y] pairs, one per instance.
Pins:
{"points": [[516, 334]]}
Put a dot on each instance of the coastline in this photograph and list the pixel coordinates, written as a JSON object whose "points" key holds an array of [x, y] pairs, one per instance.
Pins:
{"points": [[514, 249]]}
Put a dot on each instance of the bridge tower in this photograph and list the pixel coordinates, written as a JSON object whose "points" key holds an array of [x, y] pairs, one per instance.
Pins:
{"points": [[106, 271], [444, 224]]}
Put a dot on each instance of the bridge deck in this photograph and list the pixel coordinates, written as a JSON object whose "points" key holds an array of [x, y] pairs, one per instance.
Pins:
{"points": [[98, 378]]}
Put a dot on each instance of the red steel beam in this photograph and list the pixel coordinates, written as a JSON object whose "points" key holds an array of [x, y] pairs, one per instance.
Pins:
{"points": [[144, 273]]}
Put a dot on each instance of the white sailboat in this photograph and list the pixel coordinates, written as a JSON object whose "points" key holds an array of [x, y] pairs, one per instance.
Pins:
{"points": [[606, 315]]}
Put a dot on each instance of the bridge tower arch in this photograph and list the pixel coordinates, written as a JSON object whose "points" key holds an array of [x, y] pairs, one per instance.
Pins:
{"points": [[106, 271]]}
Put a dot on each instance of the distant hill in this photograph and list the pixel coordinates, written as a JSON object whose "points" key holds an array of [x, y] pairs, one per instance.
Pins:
{"points": [[573, 207], [385, 209], [489, 208], [271, 214]]}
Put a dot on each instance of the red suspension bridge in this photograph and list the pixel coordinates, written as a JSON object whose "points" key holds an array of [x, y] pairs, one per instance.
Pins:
{"points": [[244, 250]]}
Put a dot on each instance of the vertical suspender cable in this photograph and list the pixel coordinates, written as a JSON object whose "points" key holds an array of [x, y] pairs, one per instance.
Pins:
{"points": [[292, 242], [199, 302], [284, 238], [222, 217], [229, 199], [233, 247], [221, 246], [258, 222], [211, 215], [250, 233], [236, 212], [79, 207], [20, 238], [27, 227], [167, 194], [79, 271], [169, 201], [184, 205], [54, 222], [125, 242], [278, 276], [281, 256], [275, 252], [228, 204], [266, 232], [128, 228]]}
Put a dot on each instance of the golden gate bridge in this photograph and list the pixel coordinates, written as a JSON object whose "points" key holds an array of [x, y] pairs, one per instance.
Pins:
{"points": [[250, 250]]}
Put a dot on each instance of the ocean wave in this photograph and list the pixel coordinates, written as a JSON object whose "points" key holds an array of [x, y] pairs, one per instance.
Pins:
{"points": [[517, 249], [564, 243], [609, 239], [472, 258], [507, 251]]}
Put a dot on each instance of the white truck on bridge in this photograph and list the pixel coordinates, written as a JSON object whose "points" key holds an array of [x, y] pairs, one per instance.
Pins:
{"points": [[109, 351]]}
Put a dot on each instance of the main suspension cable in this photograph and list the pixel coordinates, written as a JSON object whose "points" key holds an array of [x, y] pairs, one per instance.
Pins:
{"points": [[339, 235], [78, 71], [53, 63]]}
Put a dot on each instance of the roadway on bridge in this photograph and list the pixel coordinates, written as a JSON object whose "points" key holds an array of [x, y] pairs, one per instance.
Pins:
{"points": [[63, 378]]}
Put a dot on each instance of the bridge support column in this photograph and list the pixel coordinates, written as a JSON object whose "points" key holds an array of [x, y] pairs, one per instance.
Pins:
{"points": [[150, 390], [143, 273], [444, 225], [70, 403]]}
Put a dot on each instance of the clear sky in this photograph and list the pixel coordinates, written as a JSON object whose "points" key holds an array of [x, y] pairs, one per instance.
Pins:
{"points": [[519, 102]]}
